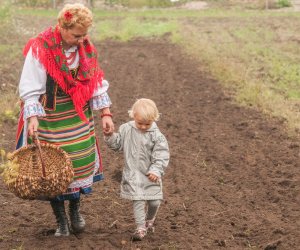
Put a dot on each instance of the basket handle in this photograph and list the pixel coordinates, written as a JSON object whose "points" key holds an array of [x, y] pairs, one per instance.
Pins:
{"points": [[38, 144]]}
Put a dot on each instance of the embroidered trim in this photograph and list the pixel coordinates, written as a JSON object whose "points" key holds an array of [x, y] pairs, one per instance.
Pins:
{"points": [[100, 102], [33, 109]]}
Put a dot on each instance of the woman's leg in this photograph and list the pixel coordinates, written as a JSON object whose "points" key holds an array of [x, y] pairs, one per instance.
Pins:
{"points": [[58, 208], [77, 221]]}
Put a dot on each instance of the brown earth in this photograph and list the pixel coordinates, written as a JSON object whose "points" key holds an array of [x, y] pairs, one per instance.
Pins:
{"points": [[232, 183]]}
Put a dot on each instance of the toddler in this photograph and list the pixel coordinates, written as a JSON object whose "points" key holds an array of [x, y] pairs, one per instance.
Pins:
{"points": [[146, 155]]}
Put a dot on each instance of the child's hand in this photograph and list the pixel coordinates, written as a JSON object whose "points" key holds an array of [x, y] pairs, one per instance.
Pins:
{"points": [[152, 177], [108, 134]]}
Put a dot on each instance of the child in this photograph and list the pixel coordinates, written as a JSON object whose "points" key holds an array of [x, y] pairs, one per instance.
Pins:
{"points": [[146, 154]]}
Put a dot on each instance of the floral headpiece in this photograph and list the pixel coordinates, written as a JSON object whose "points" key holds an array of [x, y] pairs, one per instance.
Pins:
{"points": [[68, 16]]}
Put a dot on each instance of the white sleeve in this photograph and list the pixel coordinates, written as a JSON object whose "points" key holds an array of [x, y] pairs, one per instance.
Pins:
{"points": [[32, 85], [101, 89], [33, 78], [100, 98]]}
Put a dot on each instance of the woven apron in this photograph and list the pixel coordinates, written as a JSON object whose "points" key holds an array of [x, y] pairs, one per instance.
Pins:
{"points": [[65, 129]]}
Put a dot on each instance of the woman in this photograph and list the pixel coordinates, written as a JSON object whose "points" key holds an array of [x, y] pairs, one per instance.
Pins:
{"points": [[60, 85]]}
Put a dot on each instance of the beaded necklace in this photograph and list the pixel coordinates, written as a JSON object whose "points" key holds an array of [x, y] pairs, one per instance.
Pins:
{"points": [[71, 58]]}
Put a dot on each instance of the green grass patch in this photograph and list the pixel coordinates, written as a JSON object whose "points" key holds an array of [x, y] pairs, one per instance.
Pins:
{"points": [[142, 3], [283, 3], [131, 27], [4, 12], [9, 107], [10, 51], [32, 12]]}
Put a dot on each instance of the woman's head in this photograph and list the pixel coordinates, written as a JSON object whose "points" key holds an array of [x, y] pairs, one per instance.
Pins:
{"points": [[75, 15], [144, 112], [74, 21]]}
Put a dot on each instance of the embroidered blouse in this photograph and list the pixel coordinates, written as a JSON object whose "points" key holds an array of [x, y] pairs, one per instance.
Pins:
{"points": [[33, 84]]}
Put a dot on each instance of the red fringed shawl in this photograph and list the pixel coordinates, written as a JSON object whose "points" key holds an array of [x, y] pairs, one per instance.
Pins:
{"points": [[47, 49]]}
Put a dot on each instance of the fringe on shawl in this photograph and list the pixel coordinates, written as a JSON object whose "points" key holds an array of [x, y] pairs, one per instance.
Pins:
{"points": [[80, 91]]}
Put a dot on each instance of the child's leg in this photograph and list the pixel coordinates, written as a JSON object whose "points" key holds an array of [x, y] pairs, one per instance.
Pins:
{"points": [[153, 206], [139, 216], [139, 213]]}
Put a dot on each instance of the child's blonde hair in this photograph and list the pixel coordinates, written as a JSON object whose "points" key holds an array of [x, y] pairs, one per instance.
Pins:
{"points": [[146, 108], [75, 14]]}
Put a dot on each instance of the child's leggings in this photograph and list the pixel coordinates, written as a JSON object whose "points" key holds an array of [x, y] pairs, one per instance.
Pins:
{"points": [[139, 211]]}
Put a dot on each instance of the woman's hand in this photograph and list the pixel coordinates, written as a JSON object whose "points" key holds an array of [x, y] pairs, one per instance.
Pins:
{"points": [[152, 177], [33, 125], [107, 125]]}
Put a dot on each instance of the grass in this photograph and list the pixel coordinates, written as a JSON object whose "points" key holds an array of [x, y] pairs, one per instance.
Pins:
{"points": [[141, 3], [255, 53], [132, 27], [10, 53], [256, 57], [50, 13]]}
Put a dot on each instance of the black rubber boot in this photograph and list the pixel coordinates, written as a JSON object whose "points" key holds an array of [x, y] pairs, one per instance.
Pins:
{"points": [[77, 221], [61, 218]]}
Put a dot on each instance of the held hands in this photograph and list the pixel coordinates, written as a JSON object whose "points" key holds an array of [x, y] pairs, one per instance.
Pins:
{"points": [[107, 123], [152, 177], [33, 125]]}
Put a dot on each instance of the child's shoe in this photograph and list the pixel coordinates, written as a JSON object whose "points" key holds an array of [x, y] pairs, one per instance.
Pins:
{"points": [[150, 225], [139, 234]]}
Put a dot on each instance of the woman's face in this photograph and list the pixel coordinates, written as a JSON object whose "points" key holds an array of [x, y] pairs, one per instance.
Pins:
{"points": [[72, 37]]}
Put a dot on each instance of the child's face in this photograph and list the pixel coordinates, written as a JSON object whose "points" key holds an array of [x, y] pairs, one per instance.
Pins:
{"points": [[141, 124]]}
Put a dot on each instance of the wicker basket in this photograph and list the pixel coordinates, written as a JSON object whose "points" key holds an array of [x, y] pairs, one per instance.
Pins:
{"points": [[38, 171]]}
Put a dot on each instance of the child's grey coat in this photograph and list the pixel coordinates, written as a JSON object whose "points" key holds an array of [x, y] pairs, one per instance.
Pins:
{"points": [[144, 153]]}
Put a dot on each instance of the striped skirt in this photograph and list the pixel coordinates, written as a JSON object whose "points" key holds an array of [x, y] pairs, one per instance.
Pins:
{"points": [[63, 127]]}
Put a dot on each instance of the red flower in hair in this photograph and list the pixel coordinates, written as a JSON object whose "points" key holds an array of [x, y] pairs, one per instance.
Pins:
{"points": [[68, 15]]}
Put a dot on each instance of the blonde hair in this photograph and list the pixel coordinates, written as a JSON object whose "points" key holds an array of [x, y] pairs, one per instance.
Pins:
{"points": [[146, 108], [75, 14]]}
